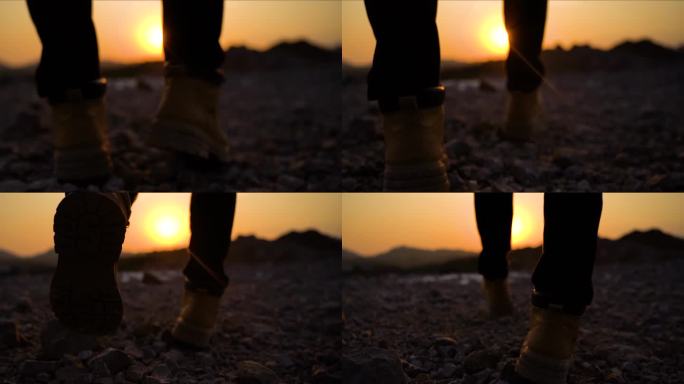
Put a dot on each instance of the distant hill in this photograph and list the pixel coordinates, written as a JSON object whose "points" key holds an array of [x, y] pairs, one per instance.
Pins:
{"points": [[283, 55], [292, 246], [636, 246], [579, 58]]}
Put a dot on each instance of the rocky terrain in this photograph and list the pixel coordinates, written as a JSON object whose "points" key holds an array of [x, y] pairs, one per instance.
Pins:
{"points": [[431, 328], [613, 123], [280, 108], [279, 323]]}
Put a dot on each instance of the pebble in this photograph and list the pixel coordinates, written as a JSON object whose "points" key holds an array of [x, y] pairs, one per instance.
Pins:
{"points": [[372, 365], [479, 360], [251, 372], [9, 333], [114, 359]]}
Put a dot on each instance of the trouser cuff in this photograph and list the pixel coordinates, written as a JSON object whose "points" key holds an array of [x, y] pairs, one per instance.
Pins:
{"points": [[213, 76], [204, 275], [545, 301], [88, 91], [423, 99]]}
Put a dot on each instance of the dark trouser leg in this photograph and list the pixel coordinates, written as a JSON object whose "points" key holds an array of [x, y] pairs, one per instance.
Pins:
{"points": [[191, 37], [563, 275], [525, 20], [211, 222], [494, 214], [70, 58], [407, 57]]}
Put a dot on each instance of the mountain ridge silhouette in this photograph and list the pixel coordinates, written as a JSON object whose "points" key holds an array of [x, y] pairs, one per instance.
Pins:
{"points": [[634, 246], [290, 246]]}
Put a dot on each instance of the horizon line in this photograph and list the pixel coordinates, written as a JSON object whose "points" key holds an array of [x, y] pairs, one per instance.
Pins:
{"points": [[335, 46], [365, 255], [233, 238], [551, 47]]}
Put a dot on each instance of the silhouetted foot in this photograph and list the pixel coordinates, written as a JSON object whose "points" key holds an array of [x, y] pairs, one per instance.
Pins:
{"points": [[89, 231], [187, 120], [510, 376], [197, 318], [498, 298], [415, 160], [547, 351], [523, 117]]}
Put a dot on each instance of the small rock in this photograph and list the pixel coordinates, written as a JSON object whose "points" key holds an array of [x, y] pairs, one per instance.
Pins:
{"points": [[479, 360], [153, 278], [373, 365], [57, 340], [115, 360], [457, 148], [160, 374], [565, 157], [72, 374], [321, 375], [9, 333], [34, 367], [24, 305], [135, 372], [615, 376], [448, 371], [251, 372], [290, 183]]}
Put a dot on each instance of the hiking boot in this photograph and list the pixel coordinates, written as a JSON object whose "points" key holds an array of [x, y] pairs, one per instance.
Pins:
{"points": [[187, 120], [414, 154], [523, 116], [548, 349], [80, 140], [195, 324], [498, 298], [89, 231]]}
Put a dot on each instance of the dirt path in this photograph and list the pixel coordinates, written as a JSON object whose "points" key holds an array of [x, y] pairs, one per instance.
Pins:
{"points": [[282, 125], [618, 131], [285, 318], [433, 325]]}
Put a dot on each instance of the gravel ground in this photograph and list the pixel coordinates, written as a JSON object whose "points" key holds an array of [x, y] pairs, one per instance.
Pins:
{"points": [[283, 128], [279, 324], [613, 131], [434, 329]]}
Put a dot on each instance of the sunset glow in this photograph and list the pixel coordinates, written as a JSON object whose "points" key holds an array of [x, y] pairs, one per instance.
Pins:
{"points": [[373, 223], [495, 37], [522, 228], [167, 226], [150, 36], [473, 30]]}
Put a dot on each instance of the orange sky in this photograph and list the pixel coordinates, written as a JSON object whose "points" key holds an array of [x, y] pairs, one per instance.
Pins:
{"points": [[375, 222], [123, 27], [467, 26], [160, 220]]}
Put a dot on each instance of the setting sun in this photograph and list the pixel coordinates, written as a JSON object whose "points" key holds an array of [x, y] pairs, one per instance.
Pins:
{"points": [[167, 226], [150, 36], [521, 228], [495, 37]]}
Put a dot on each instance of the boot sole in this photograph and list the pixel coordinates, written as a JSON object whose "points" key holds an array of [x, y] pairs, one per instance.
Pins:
{"points": [[423, 177], [185, 138], [190, 335], [542, 369], [84, 164], [89, 232]]}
